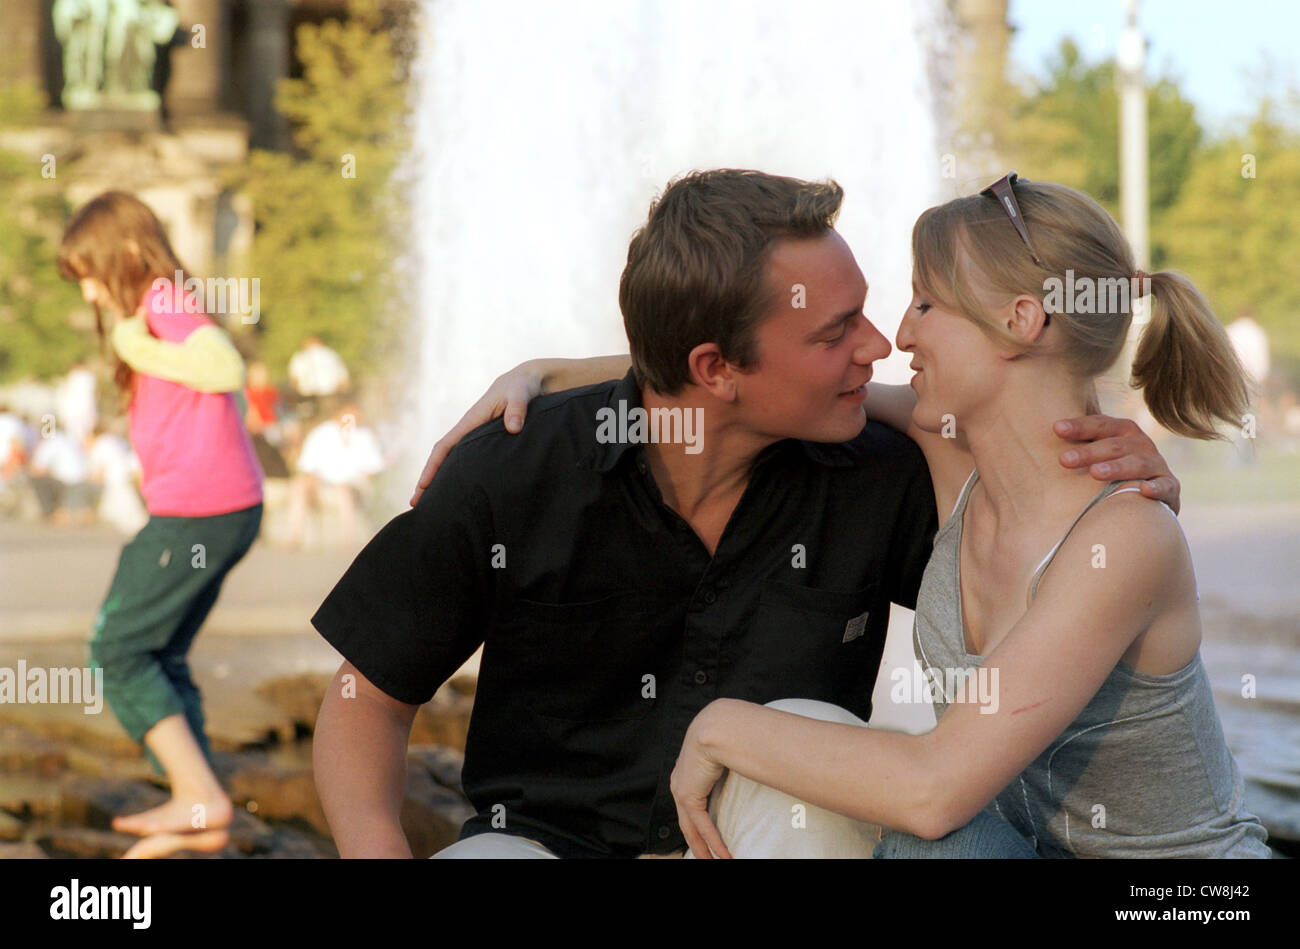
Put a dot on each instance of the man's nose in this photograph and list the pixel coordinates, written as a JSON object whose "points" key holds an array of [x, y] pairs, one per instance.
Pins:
{"points": [[874, 346]]}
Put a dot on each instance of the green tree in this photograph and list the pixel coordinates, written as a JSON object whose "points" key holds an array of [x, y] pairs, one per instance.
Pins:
{"points": [[1066, 129], [328, 213], [37, 338], [1234, 229]]}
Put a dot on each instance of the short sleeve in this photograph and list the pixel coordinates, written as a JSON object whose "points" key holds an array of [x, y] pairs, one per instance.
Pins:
{"points": [[172, 316], [914, 530], [413, 605]]}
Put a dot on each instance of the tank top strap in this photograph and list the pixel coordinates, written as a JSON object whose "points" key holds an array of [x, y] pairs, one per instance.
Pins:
{"points": [[964, 495], [1046, 562]]}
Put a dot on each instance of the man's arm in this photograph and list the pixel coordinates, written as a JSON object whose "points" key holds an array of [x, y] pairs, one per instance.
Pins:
{"points": [[359, 760], [408, 612]]}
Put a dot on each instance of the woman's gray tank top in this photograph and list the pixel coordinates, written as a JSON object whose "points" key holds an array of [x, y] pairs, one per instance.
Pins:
{"points": [[1144, 771]]}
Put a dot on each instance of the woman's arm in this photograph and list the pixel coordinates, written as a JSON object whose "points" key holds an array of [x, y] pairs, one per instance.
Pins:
{"points": [[510, 394], [1037, 681], [560, 374], [1102, 439], [949, 459]]}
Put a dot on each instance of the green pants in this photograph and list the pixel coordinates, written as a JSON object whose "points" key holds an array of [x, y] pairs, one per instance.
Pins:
{"points": [[167, 581]]}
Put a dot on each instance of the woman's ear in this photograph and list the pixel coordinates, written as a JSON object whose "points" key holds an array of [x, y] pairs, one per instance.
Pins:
{"points": [[1025, 318], [132, 248]]}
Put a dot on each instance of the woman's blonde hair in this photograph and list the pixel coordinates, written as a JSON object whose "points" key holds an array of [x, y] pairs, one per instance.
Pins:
{"points": [[116, 239], [1186, 367]]}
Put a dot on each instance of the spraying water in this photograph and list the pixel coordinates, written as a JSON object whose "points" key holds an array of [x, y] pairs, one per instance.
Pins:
{"points": [[544, 130]]}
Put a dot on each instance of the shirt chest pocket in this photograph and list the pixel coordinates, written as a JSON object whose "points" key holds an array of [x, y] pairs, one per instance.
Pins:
{"points": [[592, 661], [831, 639]]}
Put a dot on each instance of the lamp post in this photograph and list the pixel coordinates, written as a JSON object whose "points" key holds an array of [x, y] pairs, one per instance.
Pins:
{"points": [[1134, 203]]}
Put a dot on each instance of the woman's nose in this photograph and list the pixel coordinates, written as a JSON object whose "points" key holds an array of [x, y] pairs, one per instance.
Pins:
{"points": [[904, 337]]}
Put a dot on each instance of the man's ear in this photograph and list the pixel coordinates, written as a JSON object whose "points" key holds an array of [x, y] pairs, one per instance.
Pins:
{"points": [[711, 372], [1025, 319]]}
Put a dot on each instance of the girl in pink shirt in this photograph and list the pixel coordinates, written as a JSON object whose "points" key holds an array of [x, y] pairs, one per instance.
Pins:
{"points": [[177, 371]]}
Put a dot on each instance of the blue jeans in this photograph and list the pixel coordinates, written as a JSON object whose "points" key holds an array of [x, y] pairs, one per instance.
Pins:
{"points": [[986, 836]]}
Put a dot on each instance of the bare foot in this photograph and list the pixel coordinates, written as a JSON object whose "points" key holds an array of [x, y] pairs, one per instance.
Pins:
{"points": [[167, 843], [183, 814]]}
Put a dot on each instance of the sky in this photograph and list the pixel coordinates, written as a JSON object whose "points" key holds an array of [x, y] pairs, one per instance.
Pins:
{"points": [[1208, 45]]}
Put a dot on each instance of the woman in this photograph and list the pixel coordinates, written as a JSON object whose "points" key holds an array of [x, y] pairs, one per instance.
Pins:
{"points": [[178, 373], [1098, 736]]}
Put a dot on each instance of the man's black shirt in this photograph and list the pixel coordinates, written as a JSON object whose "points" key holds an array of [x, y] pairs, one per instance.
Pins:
{"points": [[607, 626]]}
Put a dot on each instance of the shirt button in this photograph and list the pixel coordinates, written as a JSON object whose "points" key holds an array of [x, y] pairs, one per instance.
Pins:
{"points": [[664, 832], [710, 596], [701, 677]]}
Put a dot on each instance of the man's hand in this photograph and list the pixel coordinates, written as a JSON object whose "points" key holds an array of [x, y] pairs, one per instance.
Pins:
{"points": [[1116, 449], [508, 395]]}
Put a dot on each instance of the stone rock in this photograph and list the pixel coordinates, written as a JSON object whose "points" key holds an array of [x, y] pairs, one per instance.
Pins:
{"points": [[290, 844], [442, 764], [250, 836], [22, 851], [443, 721], [84, 842], [21, 751], [94, 802], [298, 696], [432, 815], [92, 764], [272, 789], [27, 796], [67, 724], [11, 828]]}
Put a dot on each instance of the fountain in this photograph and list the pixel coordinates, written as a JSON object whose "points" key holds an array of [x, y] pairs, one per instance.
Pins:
{"points": [[545, 130]]}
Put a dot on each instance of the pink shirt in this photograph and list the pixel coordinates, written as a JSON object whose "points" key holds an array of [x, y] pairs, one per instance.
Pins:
{"points": [[196, 459]]}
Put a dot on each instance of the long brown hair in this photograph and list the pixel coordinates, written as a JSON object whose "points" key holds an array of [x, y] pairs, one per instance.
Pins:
{"points": [[116, 239], [1186, 367]]}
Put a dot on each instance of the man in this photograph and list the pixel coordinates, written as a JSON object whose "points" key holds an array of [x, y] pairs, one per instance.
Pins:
{"points": [[720, 522]]}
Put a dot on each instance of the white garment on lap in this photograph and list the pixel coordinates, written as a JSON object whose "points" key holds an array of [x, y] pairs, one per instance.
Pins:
{"points": [[494, 847], [757, 821]]}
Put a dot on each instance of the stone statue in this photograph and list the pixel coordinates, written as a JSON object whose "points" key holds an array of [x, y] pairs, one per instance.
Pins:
{"points": [[109, 51]]}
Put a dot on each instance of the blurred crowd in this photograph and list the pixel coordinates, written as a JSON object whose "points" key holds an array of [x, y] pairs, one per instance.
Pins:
{"points": [[61, 462]]}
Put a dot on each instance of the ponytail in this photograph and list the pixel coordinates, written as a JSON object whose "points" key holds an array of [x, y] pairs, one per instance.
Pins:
{"points": [[1186, 367]]}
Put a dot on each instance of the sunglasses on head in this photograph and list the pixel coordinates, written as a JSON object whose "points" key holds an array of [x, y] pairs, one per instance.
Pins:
{"points": [[1002, 192], [1006, 197]]}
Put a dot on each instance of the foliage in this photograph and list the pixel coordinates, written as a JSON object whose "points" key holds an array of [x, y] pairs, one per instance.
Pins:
{"points": [[1234, 236], [1067, 130], [325, 242], [37, 339]]}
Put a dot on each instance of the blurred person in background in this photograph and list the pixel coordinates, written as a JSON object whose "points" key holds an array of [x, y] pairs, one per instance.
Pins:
{"points": [[338, 459], [1251, 345], [113, 468], [263, 420], [60, 474], [14, 441], [316, 372], [75, 401]]}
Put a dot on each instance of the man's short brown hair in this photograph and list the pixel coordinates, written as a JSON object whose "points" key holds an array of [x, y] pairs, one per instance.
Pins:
{"points": [[695, 269]]}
